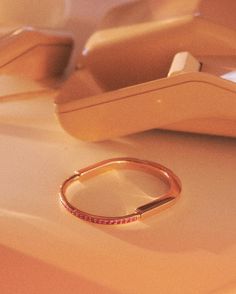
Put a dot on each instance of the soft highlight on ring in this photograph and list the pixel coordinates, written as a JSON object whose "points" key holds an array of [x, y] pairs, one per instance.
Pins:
{"points": [[160, 203]]}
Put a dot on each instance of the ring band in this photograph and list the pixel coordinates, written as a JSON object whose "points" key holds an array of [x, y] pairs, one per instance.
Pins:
{"points": [[161, 202]]}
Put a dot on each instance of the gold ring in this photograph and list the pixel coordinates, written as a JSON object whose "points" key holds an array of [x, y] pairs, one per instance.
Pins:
{"points": [[161, 202]]}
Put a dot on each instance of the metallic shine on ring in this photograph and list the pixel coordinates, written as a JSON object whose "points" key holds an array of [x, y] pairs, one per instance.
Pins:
{"points": [[160, 203]]}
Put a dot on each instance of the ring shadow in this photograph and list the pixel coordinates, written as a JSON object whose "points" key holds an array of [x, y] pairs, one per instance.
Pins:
{"points": [[201, 215], [24, 274]]}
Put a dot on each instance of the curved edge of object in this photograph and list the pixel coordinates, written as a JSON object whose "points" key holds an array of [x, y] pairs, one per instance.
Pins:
{"points": [[156, 104], [35, 53]]}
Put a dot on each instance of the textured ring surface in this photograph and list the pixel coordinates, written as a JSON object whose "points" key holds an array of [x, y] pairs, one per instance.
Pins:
{"points": [[161, 202]]}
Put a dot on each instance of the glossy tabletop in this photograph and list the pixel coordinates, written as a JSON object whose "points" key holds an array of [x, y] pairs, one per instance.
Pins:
{"points": [[189, 248]]}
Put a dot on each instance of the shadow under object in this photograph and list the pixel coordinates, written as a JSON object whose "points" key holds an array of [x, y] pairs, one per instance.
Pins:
{"points": [[38, 56]]}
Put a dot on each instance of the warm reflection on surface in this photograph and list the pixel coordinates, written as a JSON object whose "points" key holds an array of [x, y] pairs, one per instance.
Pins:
{"points": [[117, 192], [190, 248]]}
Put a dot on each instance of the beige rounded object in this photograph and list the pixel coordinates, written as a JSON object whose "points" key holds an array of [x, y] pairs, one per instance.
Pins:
{"points": [[129, 78]]}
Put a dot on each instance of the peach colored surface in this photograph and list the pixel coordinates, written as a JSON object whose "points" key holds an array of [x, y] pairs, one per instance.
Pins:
{"points": [[190, 248]]}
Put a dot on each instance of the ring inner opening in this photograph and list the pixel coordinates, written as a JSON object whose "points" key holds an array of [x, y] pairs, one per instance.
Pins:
{"points": [[115, 192]]}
